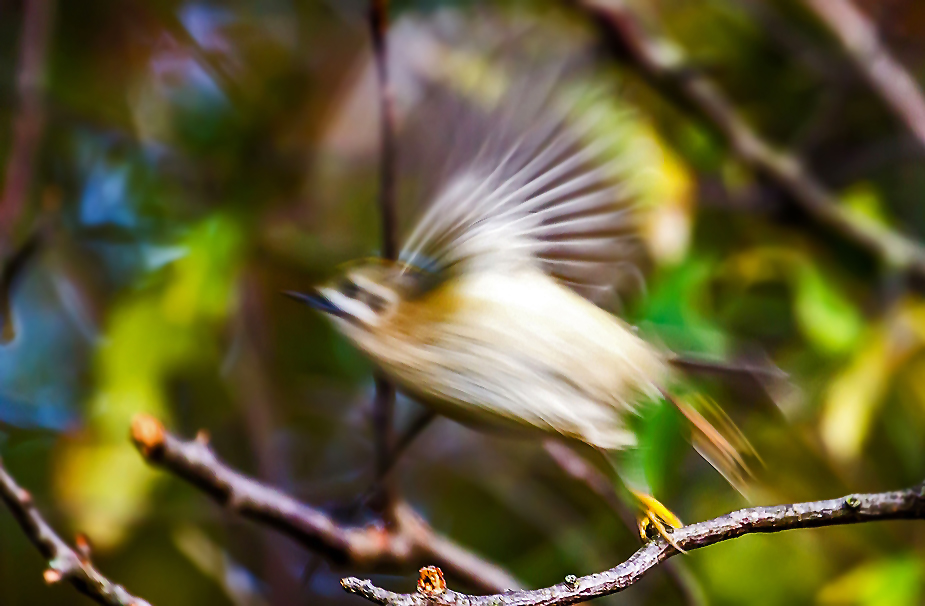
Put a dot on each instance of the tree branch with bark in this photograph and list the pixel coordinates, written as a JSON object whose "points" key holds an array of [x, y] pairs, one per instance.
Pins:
{"points": [[886, 76], [408, 541], [64, 562], [28, 127], [663, 64], [384, 403], [852, 509]]}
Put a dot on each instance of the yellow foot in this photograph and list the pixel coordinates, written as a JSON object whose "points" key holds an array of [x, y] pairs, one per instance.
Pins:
{"points": [[657, 516]]}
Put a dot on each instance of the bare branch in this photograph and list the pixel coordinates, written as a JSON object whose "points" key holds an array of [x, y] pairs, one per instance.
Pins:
{"points": [[580, 469], [418, 424], [383, 414], [852, 509], [884, 73], [663, 64], [384, 404], [30, 119], [407, 542], [28, 125], [379, 26], [64, 563]]}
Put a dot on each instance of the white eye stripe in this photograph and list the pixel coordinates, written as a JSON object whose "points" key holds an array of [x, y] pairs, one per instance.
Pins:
{"points": [[375, 289], [350, 307]]}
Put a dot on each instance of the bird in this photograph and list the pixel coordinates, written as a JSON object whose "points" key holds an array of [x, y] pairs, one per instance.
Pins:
{"points": [[492, 314]]}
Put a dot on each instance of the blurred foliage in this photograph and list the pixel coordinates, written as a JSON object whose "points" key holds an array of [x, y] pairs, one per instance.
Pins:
{"points": [[167, 327], [200, 157]]}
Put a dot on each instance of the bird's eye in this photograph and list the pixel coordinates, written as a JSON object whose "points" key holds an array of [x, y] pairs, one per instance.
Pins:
{"points": [[349, 288], [377, 303]]}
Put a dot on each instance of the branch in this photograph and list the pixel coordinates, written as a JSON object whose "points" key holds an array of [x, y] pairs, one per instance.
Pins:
{"points": [[383, 413], [852, 509], [418, 424], [28, 125], [664, 66], [884, 73], [580, 469], [384, 404], [29, 121], [379, 25], [409, 540], [64, 563]]}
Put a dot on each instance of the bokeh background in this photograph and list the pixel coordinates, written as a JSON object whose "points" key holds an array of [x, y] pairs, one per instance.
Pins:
{"points": [[171, 166]]}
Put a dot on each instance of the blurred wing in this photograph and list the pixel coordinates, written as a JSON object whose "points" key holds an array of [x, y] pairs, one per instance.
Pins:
{"points": [[529, 181]]}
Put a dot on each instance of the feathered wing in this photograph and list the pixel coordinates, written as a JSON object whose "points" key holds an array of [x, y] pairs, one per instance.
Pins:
{"points": [[528, 172], [529, 177]]}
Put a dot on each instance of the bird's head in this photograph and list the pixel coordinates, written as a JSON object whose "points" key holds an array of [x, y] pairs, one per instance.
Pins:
{"points": [[366, 297]]}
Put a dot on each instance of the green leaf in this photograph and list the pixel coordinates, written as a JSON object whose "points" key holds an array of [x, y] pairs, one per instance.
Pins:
{"points": [[864, 201], [828, 319], [672, 309], [892, 582], [661, 445]]}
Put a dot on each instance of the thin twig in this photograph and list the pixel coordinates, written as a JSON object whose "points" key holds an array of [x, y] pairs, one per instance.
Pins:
{"points": [[379, 27], [255, 391], [64, 563], [30, 119], [383, 414], [852, 509], [28, 125], [582, 470], [384, 404], [884, 73], [664, 65], [418, 424], [407, 542]]}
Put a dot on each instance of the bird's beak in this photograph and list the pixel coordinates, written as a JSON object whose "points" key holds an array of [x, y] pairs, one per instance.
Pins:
{"points": [[314, 298]]}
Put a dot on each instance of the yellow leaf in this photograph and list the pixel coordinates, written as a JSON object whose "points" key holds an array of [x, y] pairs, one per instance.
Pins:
{"points": [[853, 397], [102, 483], [150, 336]]}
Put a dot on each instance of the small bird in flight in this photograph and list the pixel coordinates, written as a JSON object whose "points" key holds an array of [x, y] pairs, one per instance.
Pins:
{"points": [[490, 317]]}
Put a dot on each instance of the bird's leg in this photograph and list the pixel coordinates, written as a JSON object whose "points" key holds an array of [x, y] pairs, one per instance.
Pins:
{"points": [[656, 515], [630, 468]]}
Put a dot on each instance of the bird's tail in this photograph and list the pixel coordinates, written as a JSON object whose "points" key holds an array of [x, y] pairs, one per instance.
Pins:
{"points": [[717, 439]]}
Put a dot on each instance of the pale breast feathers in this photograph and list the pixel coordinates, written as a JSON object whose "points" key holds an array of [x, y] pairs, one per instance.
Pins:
{"points": [[523, 348]]}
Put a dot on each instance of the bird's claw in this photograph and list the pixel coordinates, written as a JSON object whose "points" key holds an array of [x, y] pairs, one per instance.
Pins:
{"points": [[658, 517]]}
